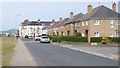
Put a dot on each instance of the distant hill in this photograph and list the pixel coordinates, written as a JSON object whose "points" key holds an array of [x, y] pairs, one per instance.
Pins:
{"points": [[10, 31]]}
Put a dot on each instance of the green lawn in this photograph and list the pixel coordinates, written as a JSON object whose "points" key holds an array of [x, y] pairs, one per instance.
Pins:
{"points": [[8, 44]]}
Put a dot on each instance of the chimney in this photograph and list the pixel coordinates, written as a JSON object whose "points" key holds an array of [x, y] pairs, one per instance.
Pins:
{"points": [[60, 20], [89, 8], [71, 15], [38, 20], [53, 21], [114, 6], [26, 21]]}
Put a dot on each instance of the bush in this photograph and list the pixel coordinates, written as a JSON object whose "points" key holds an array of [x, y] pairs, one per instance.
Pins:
{"points": [[96, 39], [105, 40], [111, 39], [69, 38], [114, 39], [44, 34], [78, 34]]}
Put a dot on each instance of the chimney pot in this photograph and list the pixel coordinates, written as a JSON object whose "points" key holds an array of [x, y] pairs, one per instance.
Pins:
{"points": [[89, 8], [53, 21], [60, 19], [114, 6], [71, 15]]}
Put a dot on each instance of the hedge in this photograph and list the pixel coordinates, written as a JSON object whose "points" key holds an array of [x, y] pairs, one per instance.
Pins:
{"points": [[111, 39], [69, 38]]}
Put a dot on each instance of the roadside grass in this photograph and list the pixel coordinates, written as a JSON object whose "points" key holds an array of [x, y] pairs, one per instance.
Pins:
{"points": [[8, 44], [0, 52]]}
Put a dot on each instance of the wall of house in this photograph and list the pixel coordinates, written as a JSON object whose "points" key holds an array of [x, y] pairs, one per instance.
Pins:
{"points": [[105, 28], [30, 30]]}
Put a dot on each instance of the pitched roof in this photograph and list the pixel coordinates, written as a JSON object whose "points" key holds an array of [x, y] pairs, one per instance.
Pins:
{"points": [[46, 23], [57, 24], [101, 12], [75, 18], [63, 22]]}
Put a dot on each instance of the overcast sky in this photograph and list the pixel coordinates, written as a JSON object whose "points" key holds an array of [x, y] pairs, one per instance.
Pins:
{"points": [[14, 12]]}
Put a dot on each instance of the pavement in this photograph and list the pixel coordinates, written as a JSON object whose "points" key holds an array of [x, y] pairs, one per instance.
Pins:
{"points": [[21, 55], [108, 51]]}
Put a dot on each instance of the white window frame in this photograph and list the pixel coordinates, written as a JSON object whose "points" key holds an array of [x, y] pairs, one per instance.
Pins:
{"points": [[86, 23], [79, 24], [111, 35], [76, 24], [83, 24], [83, 34], [96, 34], [112, 24], [97, 22]]}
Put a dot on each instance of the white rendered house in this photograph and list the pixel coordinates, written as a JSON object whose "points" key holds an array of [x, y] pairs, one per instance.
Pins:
{"points": [[33, 28]]}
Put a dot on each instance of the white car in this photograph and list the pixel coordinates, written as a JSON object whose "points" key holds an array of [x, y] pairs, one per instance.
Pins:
{"points": [[30, 37], [45, 39], [37, 38]]}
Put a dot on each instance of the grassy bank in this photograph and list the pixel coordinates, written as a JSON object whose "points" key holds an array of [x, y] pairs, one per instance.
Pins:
{"points": [[8, 44]]}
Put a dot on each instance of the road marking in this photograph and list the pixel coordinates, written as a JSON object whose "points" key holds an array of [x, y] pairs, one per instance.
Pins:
{"points": [[30, 41]]}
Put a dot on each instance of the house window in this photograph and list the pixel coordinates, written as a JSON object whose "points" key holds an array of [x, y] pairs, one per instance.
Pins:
{"points": [[111, 35], [83, 34], [83, 24], [75, 32], [97, 22], [112, 23], [79, 24], [96, 34], [86, 23], [76, 24], [111, 26], [118, 34]]}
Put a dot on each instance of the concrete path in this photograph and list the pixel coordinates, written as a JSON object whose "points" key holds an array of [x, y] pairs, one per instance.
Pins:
{"points": [[103, 51], [22, 56]]}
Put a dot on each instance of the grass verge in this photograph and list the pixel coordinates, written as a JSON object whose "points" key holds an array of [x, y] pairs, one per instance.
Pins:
{"points": [[8, 44]]}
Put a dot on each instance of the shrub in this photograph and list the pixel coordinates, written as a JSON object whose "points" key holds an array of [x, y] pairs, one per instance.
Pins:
{"points": [[111, 39], [96, 39], [105, 40], [78, 34], [69, 38], [44, 34]]}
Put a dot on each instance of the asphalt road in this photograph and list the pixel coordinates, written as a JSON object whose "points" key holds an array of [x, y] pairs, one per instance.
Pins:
{"points": [[48, 54]]}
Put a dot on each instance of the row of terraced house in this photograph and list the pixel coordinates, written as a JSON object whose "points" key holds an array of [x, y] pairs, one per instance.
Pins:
{"points": [[97, 22]]}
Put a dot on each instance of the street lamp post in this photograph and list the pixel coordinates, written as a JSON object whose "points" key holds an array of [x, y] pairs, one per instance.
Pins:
{"points": [[17, 34]]}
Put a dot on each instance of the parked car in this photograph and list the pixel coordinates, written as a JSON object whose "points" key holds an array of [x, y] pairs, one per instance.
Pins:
{"points": [[37, 38], [44, 39], [26, 36], [30, 37]]}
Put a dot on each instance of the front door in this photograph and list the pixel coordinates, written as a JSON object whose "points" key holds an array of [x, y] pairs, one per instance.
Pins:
{"points": [[86, 33]]}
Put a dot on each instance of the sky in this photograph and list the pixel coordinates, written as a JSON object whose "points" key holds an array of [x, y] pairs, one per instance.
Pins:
{"points": [[14, 12]]}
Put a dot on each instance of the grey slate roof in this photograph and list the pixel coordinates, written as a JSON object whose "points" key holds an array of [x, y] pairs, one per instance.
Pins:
{"points": [[75, 18], [58, 23], [46, 23], [63, 22], [101, 12]]}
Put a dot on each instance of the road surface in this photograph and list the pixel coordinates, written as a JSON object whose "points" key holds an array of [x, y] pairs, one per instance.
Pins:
{"points": [[48, 54]]}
